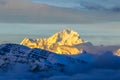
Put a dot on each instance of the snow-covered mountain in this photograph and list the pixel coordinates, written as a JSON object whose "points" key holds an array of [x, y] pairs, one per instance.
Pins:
{"points": [[63, 42], [18, 62], [36, 59]]}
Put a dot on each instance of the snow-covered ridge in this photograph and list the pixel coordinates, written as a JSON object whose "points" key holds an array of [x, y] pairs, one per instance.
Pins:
{"points": [[63, 42], [37, 59], [27, 63]]}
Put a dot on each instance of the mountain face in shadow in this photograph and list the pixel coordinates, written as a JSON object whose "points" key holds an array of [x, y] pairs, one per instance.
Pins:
{"points": [[36, 59], [63, 42], [18, 61]]}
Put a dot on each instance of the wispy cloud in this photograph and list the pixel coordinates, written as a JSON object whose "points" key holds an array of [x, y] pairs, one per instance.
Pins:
{"points": [[113, 5]]}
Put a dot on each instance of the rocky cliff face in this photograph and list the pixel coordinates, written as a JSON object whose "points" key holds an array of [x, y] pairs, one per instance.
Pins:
{"points": [[63, 42]]}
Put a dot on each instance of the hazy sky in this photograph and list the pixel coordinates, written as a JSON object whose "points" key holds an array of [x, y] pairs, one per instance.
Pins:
{"points": [[105, 4], [59, 11]]}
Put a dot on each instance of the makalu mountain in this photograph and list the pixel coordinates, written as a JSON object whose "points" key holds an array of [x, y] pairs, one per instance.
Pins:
{"points": [[63, 42]]}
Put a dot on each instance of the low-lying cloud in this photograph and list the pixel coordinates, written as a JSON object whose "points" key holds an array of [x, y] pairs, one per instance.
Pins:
{"points": [[97, 74], [106, 66]]}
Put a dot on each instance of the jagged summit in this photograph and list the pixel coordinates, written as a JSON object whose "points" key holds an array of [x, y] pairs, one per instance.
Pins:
{"points": [[66, 37], [63, 42]]}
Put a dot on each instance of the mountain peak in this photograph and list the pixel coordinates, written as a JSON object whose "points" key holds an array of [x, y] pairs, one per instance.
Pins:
{"points": [[63, 42], [66, 37], [68, 30]]}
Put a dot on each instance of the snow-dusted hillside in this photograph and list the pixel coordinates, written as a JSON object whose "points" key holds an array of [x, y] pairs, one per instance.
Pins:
{"points": [[18, 62], [37, 59]]}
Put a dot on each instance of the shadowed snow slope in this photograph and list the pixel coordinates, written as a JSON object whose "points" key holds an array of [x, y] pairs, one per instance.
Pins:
{"points": [[63, 42], [19, 62], [37, 59]]}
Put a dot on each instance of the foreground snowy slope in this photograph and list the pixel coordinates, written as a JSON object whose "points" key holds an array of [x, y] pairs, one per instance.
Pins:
{"points": [[37, 59], [18, 62]]}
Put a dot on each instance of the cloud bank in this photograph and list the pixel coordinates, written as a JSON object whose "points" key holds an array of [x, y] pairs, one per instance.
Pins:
{"points": [[26, 11], [112, 5]]}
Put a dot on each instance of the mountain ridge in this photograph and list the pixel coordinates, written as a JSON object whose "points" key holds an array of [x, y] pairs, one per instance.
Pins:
{"points": [[63, 42], [36, 59]]}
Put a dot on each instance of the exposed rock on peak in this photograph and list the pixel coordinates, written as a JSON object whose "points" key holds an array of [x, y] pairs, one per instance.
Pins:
{"points": [[63, 42]]}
